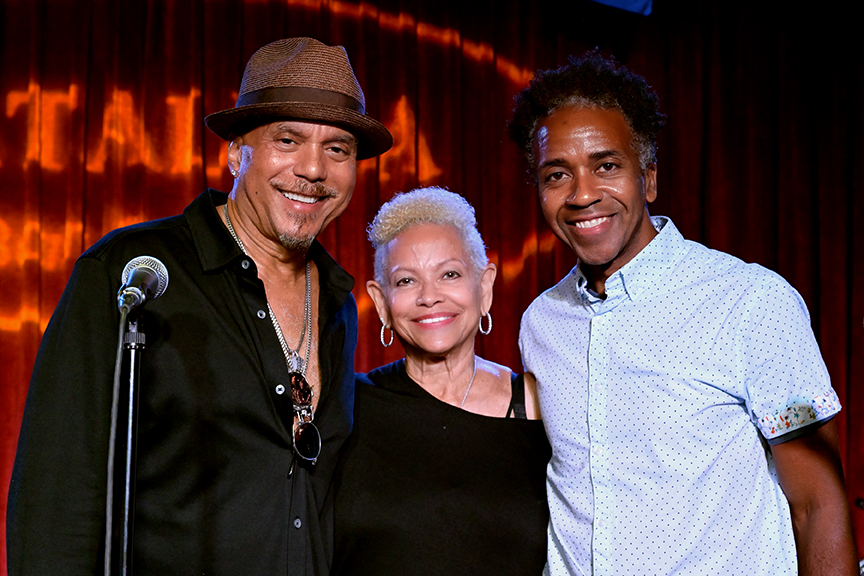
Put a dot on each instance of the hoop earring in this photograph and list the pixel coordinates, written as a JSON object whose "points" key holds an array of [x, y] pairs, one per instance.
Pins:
{"points": [[489, 329], [384, 327]]}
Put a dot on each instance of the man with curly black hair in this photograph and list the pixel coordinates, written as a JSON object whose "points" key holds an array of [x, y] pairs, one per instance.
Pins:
{"points": [[683, 392], [591, 81]]}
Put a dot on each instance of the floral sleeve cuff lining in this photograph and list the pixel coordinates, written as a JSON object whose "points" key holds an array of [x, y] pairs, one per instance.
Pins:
{"points": [[799, 415]]}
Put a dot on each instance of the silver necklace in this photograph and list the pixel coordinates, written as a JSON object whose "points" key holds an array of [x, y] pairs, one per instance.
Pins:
{"points": [[295, 362], [473, 374]]}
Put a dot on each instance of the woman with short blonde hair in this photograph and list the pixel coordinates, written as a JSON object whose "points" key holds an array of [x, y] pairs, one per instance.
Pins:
{"points": [[445, 469]]}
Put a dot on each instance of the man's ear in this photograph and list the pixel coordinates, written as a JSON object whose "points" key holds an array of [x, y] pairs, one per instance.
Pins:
{"points": [[234, 156], [650, 177]]}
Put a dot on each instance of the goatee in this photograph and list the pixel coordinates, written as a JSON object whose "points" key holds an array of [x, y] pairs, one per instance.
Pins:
{"points": [[295, 244], [303, 243]]}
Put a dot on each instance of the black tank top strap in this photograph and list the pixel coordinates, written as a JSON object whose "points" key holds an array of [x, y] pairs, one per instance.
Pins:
{"points": [[517, 397]]}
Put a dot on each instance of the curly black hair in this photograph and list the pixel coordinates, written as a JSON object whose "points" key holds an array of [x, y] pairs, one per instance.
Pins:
{"points": [[594, 81]]}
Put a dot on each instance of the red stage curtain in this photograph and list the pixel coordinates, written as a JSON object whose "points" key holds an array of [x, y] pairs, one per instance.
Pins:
{"points": [[102, 126]]}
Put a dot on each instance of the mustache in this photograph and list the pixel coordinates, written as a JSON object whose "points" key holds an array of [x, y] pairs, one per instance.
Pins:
{"points": [[307, 188]]}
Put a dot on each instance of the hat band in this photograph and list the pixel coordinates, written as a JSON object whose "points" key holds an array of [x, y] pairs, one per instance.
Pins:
{"points": [[298, 94]]}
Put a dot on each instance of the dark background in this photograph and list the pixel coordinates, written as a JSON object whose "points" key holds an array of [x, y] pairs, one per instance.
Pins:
{"points": [[101, 126]]}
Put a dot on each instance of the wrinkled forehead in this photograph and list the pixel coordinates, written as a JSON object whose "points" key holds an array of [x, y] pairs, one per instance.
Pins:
{"points": [[417, 235], [578, 129], [319, 130], [425, 244], [308, 128]]}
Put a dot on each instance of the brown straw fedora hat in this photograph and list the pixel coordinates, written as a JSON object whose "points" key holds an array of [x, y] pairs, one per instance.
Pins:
{"points": [[302, 78]]}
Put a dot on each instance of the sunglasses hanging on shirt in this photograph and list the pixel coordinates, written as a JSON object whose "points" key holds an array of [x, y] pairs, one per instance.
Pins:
{"points": [[307, 439]]}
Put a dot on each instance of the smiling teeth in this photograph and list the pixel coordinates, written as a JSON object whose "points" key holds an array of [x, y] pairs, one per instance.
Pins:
{"points": [[299, 198], [591, 223], [434, 320]]}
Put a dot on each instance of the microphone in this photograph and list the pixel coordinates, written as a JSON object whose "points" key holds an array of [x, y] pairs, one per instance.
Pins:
{"points": [[144, 277]]}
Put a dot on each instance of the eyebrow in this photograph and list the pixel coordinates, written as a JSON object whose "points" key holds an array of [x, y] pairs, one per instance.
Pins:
{"points": [[291, 128], [599, 155], [553, 162], [347, 138], [442, 264]]}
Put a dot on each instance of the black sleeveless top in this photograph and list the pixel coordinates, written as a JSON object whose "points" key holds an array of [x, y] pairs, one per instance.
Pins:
{"points": [[426, 488]]}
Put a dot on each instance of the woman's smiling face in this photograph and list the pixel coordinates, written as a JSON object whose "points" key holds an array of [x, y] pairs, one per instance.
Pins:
{"points": [[432, 297]]}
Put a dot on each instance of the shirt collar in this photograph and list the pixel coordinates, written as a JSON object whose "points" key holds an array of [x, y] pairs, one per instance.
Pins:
{"points": [[642, 272], [216, 248]]}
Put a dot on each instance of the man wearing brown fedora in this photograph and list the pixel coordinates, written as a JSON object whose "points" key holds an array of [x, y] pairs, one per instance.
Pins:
{"points": [[246, 384]]}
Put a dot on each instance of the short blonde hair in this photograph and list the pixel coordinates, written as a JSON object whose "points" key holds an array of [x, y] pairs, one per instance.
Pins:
{"points": [[431, 205]]}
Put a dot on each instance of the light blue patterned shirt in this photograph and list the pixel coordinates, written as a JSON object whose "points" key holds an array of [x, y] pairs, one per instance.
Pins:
{"points": [[654, 400]]}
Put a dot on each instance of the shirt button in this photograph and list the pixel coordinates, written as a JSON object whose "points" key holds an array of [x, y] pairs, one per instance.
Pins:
{"points": [[262, 314], [280, 389], [598, 450], [601, 523], [245, 264], [298, 523], [597, 387]]}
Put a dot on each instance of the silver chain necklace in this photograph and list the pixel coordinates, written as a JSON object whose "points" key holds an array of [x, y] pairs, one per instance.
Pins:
{"points": [[295, 362], [473, 374]]}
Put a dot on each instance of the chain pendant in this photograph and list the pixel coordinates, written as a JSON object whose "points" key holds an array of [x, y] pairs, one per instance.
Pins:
{"points": [[295, 363]]}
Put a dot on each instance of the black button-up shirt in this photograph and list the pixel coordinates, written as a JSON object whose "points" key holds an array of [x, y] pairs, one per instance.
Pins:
{"points": [[216, 490]]}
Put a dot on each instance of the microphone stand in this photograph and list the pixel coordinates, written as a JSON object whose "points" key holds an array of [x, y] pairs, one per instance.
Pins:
{"points": [[120, 501]]}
